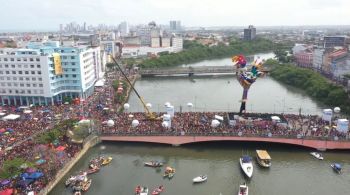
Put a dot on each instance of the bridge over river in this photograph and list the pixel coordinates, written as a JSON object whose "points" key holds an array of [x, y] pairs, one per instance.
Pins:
{"points": [[189, 71], [319, 144]]}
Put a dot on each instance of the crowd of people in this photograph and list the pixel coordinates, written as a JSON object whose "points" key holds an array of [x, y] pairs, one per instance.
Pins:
{"points": [[17, 137]]}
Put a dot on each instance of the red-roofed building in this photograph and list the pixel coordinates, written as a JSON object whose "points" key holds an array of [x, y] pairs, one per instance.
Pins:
{"points": [[304, 58]]}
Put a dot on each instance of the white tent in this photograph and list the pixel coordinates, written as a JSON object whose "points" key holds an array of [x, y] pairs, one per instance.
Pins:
{"points": [[27, 111], [11, 117], [220, 118], [275, 119], [2, 114], [84, 121], [99, 83]]}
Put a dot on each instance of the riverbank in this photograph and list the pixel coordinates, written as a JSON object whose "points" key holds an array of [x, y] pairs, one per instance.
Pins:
{"points": [[314, 84], [199, 52], [89, 143]]}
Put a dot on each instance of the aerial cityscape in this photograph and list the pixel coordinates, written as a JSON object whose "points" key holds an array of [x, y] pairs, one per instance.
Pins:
{"points": [[175, 98]]}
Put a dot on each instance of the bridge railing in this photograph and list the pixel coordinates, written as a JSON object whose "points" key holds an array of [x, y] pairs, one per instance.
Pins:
{"points": [[228, 134]]}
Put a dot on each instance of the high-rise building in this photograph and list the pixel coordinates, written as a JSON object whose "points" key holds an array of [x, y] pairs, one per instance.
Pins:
{"points": [[175, 25], [46, 73], [249, 33], [334, 41], [124, 29]]}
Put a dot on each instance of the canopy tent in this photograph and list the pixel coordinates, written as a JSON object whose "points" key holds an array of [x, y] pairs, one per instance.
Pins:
{"points": [[84, 121], [275, 118], [60, 148], [11, 117], [8, 191], [2, 114], [27, 111], [343, 125], [220, 118]]}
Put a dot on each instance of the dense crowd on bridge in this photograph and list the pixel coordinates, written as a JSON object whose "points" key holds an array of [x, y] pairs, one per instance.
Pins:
{"points": [[17, 137], [199, 123]]}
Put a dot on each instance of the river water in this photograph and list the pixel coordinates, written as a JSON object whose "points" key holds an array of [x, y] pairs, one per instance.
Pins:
{"points": [[293, 170]]}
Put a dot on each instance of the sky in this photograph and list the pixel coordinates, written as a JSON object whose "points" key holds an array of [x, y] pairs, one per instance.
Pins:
{"points": [[48, 14]]}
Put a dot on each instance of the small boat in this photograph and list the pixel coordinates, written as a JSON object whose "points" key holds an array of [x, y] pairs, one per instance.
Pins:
{"points": [[243, 189], [317, 155], [336, 167], [106, 161], [86, 185], [93, 166], [169, 172], [77, 193], [246, 165], [158, 190], [91, 171], [200, 179], [153, 164], [263, 158], [144, 191], [70, 180]]}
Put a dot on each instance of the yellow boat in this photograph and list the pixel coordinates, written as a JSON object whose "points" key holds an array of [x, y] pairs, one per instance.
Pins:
{"points": [[106, 161], [263, 158]]}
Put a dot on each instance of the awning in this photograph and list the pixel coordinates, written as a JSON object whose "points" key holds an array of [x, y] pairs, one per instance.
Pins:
{"points": [[11, 117]]}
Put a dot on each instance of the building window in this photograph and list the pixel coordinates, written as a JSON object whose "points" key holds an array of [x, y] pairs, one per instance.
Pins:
{"points": [[28, 85], [5, 59], [10, 91], [64, 57], [13, 72], [40, 79], [38, 66], [67, 76], [13, 66], [15, 84], [34, 85], [26, 72], [25, 66], [19, 66], [8, 78], [37, 59], [31, 66], [73, 63], [73, 69], [72, 57], [25, 59], [39, 72], [40, 85], [18, 59], [12, 59], [14, 78], [7, 72], [41, 91], [31, 59], [21, 78], [9, 84], [3, 84], [1, 72], [21, 84], [33, 72], [74, 75], [27, 79], [33, 79], [6, 65], [29, 91]]}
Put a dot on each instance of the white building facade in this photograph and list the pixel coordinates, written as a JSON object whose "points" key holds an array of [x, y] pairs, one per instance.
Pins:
{"points": [[45, 75]]}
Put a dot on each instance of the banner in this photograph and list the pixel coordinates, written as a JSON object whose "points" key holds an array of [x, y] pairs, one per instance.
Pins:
{"points": [[343, 125], [57, 63], [327, 115]]}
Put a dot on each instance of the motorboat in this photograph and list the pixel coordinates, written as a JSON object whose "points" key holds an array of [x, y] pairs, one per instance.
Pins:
{"points": [[153, 164], [317, 155], [91, 171], [199, 179], [106, 161], [144, 191], [263, 158], [158, 190], [243, 189], [70, 180], [86, 185], [246, 165], [336, 167]]}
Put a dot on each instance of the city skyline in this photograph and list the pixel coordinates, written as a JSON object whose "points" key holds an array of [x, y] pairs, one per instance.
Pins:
{"points": [[191, 13]]}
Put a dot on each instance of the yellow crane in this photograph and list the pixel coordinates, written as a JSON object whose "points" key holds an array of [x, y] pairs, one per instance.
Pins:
{"points": [[150, 115]]}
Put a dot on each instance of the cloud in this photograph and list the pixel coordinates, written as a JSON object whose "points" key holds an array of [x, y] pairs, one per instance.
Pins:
{"points": [[49, 14]]}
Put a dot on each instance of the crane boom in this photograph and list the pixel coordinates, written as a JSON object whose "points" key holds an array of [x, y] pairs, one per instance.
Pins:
{"points": [[150, 115]]}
